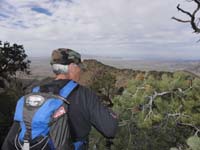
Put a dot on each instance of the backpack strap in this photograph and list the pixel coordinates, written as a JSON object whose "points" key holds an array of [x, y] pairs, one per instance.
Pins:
{"points": [[78, 144], [68, 88], [36, 89], [64, 92]]}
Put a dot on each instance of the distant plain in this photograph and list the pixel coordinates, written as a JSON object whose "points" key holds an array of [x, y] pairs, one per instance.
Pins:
{"points": [[40, 66]]}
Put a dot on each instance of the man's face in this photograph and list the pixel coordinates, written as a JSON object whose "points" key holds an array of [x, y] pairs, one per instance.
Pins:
{"points": [[74, 72]]}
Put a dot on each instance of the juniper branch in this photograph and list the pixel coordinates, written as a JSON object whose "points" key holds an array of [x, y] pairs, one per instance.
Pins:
{"points": [[192, 126]]}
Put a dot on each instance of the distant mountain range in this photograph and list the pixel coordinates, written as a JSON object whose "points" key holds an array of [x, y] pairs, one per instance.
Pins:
{"points": [[40, 67]]}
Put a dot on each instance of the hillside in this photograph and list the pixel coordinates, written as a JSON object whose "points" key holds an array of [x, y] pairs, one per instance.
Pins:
{"points": [[157, 65], [94, 67]]}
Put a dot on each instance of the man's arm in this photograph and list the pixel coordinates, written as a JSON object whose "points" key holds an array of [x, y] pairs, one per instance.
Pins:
{"points": [[102, 118]]}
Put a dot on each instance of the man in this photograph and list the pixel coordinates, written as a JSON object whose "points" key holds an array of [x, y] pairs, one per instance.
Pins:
{"points": [[85, 109]]}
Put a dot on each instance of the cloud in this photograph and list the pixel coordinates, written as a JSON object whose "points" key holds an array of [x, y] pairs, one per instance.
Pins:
{"points": [[116, 27]]}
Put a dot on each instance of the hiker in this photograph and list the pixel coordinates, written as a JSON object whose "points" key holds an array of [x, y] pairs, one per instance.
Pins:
{"points": [[83, 110]]}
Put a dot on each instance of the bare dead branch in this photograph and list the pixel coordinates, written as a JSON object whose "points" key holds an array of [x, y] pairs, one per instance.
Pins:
{"points": [[193, 18], [178, 116], [149, 105], [179, 20], [197, 1], [151, 100], [192, 21], [183, 11]]}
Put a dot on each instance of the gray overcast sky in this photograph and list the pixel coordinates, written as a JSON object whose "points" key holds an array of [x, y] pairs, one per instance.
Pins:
{"points": [[137, 29]]}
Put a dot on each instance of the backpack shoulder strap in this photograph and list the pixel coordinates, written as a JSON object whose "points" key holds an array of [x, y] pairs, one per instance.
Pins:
{"points": [[64, 92], [36, 89], [68, 88]]}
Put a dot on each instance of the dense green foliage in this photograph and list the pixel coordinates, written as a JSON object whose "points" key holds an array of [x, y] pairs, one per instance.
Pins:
{"points": [[193, 142], [12, 59], [157, 114], [104, 85], [8, 101]]}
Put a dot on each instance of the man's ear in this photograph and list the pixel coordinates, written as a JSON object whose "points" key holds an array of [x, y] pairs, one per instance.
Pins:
{"points": [[74, 72], [70, 68]]}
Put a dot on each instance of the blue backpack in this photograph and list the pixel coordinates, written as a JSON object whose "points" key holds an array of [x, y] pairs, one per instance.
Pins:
{"points": [[44, 120]]}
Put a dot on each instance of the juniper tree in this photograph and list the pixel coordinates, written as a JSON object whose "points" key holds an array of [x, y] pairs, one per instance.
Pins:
{"points": [[12, 59], [158, 114]]}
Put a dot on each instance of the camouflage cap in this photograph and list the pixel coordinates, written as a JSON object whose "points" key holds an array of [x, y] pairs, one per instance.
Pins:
{"points": [[65, 56]]}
